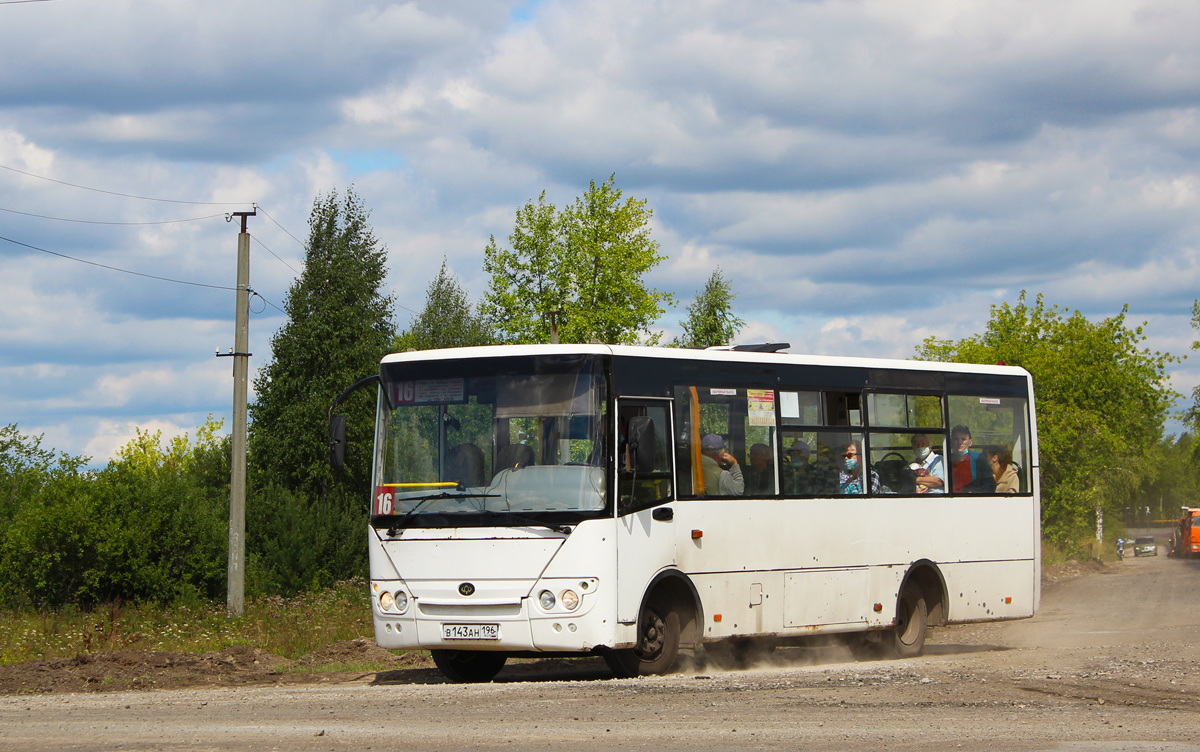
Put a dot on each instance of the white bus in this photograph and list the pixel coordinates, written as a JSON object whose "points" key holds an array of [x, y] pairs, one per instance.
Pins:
{"points": [[552, 500]]}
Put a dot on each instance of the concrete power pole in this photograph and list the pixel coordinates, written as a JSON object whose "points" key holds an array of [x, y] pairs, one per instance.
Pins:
{"points": [[236, 580]]}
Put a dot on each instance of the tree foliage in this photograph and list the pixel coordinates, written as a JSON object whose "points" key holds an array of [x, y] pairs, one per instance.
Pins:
{"points": [[1192, 416], [447, 320], [1174, 482], [152, 525], [1101, 403], [339, 325], [587, 261], [710, 319]]}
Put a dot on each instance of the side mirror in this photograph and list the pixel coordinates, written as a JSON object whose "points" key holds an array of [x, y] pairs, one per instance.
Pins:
{"points": [[337, 441], [643, 443]]}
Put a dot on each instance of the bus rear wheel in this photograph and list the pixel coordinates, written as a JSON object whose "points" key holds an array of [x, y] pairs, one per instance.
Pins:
{"points": [[657, 648], [468, 666], [912, 618]]}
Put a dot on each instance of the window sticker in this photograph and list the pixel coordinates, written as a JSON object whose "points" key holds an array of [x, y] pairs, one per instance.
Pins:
{"points": [[723, 392], [989, 401], [789, 404], [760, 406]]}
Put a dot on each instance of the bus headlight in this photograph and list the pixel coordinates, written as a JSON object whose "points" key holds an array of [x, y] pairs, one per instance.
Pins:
{"points": [[570, 600], [386, 601], [401, 601], [546, 598]]}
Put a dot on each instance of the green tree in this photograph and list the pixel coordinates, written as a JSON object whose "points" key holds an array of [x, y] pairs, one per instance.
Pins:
{"points": [[587, 261], [447, 320], [1192, 416], [339, 325], [152, 525], [1175, 482], [710, 319], [1101, 401]]}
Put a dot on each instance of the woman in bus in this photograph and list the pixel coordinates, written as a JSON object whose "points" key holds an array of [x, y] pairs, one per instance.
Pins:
{"points": [[850, 475], [1003, 470]]}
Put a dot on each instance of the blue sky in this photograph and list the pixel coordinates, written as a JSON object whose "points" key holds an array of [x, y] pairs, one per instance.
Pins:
{"points": [[867, 174]]}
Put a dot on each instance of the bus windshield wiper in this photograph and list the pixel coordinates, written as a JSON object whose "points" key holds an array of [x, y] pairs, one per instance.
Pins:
{"points": [[421, 502], [564, 529]]}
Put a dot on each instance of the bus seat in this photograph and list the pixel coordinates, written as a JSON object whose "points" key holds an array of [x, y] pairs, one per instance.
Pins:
{"points": [[464, 464], [894, 473], [513, 455]]}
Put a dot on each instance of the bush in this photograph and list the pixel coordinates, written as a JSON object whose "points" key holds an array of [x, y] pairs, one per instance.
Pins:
{"points": [[152, 525]]}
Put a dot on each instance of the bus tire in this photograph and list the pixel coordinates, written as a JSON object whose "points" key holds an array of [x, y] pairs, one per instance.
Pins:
{"points": [[657, 648], [912, 619], [468, 666]]}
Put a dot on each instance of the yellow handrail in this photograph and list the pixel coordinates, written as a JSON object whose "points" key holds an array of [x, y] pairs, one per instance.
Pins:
{"points": [[443, 484]]}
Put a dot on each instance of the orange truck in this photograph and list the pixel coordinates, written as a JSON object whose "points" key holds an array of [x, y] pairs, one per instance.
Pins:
{"points": [[1187, 539]]}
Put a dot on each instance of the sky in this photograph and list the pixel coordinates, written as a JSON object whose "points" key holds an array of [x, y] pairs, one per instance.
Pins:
{"points": [[866, 173]]}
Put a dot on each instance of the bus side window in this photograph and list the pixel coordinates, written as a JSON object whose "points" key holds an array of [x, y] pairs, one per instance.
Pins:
{"points": [[740, 417], [983, 426]]}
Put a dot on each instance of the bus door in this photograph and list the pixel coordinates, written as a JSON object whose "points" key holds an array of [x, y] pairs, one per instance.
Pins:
{"points": [[645, 490]]}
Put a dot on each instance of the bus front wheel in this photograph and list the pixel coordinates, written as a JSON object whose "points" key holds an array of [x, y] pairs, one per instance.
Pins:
{"points": [[468, 666], [912, 617], [657, 648]]}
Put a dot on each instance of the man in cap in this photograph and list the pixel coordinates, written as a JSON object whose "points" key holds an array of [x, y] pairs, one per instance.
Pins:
{"points": [[722, 476]]}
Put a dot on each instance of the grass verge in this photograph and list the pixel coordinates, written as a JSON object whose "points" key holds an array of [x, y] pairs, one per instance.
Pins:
{"points": [[290, 627]]}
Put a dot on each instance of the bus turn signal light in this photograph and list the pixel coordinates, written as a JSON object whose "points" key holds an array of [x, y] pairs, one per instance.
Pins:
{"points": [[878, 607], [697, 534], [716, 617], [1008, 599]]}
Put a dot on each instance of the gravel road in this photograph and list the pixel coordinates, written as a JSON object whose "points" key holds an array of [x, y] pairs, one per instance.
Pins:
{"points": [[1111, 662]]}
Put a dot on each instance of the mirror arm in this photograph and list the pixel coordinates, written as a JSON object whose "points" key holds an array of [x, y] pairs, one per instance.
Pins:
{"points": [[354, 388]]}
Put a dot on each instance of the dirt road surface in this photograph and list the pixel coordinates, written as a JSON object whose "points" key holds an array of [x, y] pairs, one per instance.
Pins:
{"points": [[1111, 662]]}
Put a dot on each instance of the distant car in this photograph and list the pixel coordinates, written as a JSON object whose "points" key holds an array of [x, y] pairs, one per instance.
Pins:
{"points": [[1145, 545]]}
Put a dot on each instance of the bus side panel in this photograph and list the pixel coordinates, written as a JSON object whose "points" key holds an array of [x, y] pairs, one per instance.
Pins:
{"points": [[792, 566], [989, 590]]}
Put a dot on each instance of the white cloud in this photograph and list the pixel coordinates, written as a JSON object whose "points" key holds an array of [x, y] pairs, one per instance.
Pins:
{"points": [[866, 173]]}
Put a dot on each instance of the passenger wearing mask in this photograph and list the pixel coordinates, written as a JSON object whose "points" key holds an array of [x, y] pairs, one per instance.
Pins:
{"points": [[722, 476], [970, 470], [850, 477], [796, 469], [804, 478], [929, 467]]}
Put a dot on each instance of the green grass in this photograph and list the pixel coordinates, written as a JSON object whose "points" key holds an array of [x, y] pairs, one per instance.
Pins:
{"points": [[290, 627], [1080, 550]]}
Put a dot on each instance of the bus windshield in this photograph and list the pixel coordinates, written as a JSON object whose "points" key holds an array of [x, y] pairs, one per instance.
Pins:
{"points": [[499, 435]]}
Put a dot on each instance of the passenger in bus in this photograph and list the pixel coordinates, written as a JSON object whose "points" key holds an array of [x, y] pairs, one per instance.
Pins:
{"points": [[1008, 480], [722, 476], [929, 467], [804, 478], [795, 469], [760, 474], [850, 477], [970, 470]]}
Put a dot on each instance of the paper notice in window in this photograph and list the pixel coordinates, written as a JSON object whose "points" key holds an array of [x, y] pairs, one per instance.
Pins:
{"points": [[439, 390], [760, 405]]}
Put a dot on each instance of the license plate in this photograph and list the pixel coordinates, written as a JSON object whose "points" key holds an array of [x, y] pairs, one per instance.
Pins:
{"points": [[471, 631]]}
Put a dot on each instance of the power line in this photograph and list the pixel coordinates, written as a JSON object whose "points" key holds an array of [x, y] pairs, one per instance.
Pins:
{"points": [[268, 250], [290, 235], [255, 294], [251, 290], [117, 269], [96, 222], [19, 2], [125, 195]]}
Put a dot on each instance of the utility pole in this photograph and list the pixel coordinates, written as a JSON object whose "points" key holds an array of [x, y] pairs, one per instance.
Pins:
{"points": [[236, 578]]}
